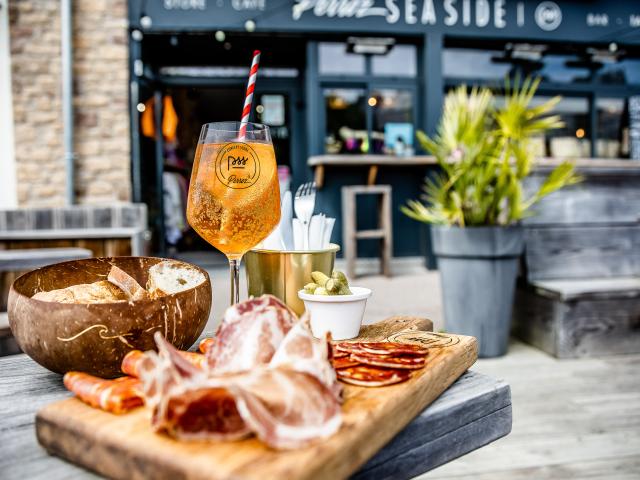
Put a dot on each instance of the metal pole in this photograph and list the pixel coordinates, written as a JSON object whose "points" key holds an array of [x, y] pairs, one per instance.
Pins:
{"points": [[66, 21], [160, 225]]}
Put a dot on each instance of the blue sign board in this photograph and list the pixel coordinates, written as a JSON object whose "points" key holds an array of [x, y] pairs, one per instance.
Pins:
{"points": [[588, 21]]}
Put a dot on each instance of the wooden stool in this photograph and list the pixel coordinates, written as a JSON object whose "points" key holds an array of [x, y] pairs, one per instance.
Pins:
{"points": [[350, 235]]}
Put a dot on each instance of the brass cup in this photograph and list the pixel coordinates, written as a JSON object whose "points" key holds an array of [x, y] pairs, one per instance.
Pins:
{"points": [[284, 272]]}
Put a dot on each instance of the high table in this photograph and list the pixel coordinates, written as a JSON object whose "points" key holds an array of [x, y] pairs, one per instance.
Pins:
{"points": [[474, 411]]}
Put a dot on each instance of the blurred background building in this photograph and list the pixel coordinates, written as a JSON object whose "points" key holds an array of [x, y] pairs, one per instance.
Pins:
{"points": [[337, 78]]}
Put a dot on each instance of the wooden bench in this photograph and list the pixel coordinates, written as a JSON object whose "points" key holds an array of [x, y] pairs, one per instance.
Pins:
{"points": [[87, 224], [580, 295], [473, 412]]}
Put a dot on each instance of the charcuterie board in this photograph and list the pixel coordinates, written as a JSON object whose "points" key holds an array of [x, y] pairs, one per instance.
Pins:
{"points": [[125, 447]]}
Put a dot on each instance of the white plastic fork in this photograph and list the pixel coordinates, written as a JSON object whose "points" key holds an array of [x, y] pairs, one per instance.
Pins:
{"points": [[304, 203]]}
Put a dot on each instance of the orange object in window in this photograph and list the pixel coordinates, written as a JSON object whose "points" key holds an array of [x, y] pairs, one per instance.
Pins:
{"points": [[169, 119]]}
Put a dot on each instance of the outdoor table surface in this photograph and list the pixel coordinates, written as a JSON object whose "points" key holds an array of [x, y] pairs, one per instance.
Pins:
{"points": [[474, 411]]}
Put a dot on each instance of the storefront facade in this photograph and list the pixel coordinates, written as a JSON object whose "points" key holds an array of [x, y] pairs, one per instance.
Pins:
{"points": [[336, 74]]}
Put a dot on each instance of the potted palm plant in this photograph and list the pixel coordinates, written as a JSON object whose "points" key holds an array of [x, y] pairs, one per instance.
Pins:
{"points": [[476, 202]]}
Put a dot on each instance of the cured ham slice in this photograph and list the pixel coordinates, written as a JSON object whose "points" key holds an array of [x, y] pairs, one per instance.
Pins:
{"points": [[302, 352], [115, 396], [288, 403], [287, 409], [365, 376], [208, 413], [250, 334]]}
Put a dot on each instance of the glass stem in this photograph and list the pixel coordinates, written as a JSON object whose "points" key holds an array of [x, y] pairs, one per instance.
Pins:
{"points": [[234, 267]]}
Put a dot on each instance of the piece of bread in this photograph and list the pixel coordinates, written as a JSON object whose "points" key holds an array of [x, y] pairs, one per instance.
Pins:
{"points": [[167, 277], [97, 292], [127, 284]]}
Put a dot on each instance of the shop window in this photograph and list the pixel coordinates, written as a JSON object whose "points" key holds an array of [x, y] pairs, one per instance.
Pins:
{"points": [[467, 63], [391, 107], [346, 119], [570, 141], [613, 137], [563, 69], [401, 61], [625, 72], [334, 59]]}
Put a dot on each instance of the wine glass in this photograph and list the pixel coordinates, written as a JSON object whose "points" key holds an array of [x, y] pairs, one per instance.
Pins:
{"points": [[234, 195]]}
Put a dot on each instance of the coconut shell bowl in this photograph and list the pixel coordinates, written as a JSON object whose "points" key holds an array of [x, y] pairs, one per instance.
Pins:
{"points": [[94, 337]]}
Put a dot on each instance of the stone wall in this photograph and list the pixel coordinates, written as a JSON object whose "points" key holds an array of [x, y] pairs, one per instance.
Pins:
{"points": [[100, 101]]}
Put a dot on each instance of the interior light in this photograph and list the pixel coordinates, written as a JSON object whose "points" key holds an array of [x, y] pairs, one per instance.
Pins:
{"points": [[141, 107], [220, 36], [250, 26], [260, 109], [145, 21], [580, 133], [373, 101], [227, 46]]}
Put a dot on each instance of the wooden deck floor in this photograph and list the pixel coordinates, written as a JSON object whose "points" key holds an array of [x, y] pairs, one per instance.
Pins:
{"points": [[571, 419]]}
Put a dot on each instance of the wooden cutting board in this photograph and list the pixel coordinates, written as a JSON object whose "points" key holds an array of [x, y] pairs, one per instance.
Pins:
{"points": [[125, 447]]}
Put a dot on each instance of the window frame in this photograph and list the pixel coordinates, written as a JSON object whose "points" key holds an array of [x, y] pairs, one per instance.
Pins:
{"points": [[368, 82]]}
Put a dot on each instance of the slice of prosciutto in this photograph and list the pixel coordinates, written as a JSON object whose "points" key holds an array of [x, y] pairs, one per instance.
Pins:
{"points": [[288, 403], [302, 352], [249, 334]]}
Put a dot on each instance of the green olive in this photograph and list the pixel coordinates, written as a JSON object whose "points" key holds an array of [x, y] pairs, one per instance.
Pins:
{"points": [[320, 278], [310, 288], [321, 291], [339, 276]]}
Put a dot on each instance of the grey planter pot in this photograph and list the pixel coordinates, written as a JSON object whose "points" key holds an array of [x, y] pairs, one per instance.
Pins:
{"points": [[478, 268]]}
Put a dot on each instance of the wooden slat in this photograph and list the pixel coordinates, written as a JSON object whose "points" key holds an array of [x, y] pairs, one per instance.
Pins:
{"points": [[582, 252], [26, 259], [466, 427], [70, 233], [599, 199], [591, 326], [366, 234]]}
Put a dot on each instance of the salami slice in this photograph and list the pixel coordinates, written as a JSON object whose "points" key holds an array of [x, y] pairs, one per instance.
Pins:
{"points": [[365, 376], [344, 362], [392, 348], [348, 347], [410, 363]]}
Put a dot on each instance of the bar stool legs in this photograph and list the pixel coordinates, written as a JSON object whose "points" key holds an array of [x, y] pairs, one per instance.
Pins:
{"points": [[384, 231]]}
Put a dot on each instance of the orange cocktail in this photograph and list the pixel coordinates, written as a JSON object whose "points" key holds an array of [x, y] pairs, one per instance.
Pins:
{"points": [[234, 195]]}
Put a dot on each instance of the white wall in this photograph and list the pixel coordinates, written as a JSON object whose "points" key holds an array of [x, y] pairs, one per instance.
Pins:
{"points": [[8, 196]]}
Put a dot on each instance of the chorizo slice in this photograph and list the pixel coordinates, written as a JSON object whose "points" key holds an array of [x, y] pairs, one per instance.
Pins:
{"points": [[344, 362], [135, 359], [385, 361], [366, 376], [206, 344], [392, 348]]}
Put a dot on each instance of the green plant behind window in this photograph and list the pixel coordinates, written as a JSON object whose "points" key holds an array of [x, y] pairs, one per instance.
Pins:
{"points": [[484, 153]]}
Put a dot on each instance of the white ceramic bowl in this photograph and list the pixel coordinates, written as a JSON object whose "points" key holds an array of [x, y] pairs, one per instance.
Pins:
{"points": [[341, 315]]}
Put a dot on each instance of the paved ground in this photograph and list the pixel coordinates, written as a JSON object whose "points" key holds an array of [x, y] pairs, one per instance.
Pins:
{"points": [[577, 419]]}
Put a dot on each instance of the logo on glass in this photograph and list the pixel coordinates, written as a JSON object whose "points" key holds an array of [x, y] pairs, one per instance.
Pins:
{"points": [[237, 165]]}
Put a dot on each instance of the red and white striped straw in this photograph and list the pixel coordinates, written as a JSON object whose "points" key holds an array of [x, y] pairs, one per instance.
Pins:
{"points": [[248, 98]]}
